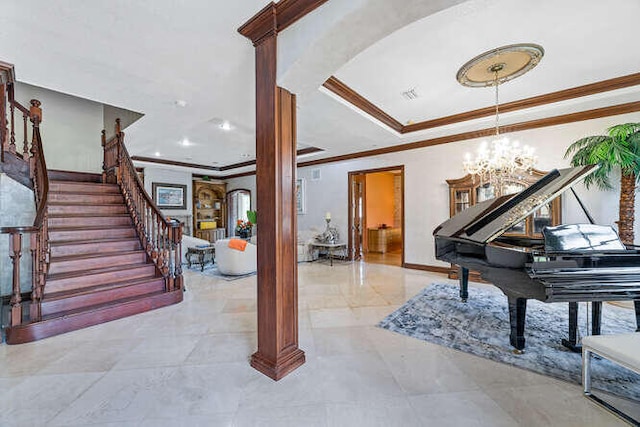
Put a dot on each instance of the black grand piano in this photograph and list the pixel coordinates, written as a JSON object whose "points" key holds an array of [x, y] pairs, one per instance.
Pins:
{"points": [[571, 263]]}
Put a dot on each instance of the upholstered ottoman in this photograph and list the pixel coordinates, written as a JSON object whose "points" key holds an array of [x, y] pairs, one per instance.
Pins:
{"points": [[623, 349]]}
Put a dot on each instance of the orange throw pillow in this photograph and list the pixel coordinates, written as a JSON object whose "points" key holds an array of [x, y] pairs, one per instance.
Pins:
{"points": [[238, 244]]}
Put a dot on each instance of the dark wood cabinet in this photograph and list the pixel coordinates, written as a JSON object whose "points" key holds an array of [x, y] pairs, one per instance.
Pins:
{"points": [[468, 190]]}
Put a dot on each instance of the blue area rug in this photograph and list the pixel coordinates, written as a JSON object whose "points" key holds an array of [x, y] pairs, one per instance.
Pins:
{"points": [[481, 327], [212, 271]]}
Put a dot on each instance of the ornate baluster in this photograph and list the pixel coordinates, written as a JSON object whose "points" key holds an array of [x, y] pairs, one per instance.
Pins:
{"points": [[103, 139], [36, 290], [154, 236], [25, 140], [166, 244], [177, 241], [12, 139], [15, 251]]}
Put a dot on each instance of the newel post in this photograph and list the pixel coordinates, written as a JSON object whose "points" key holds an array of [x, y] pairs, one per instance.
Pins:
{"points": [[176, 228], [35, 112], [15, 251]]}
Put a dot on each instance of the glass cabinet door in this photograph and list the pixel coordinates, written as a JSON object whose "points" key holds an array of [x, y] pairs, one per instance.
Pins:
{"points": [[542, 218], [462, 200], [485, 192]]}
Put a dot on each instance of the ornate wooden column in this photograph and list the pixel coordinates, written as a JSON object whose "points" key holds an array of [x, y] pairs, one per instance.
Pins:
{"points": [[278, 352]]}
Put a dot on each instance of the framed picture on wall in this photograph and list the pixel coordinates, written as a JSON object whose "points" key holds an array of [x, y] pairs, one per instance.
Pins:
{"points": [[170, 196], [300, 196]]}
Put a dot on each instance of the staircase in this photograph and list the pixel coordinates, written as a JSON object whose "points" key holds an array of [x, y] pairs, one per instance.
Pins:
{"points": [[98, 270], [100, 248]]}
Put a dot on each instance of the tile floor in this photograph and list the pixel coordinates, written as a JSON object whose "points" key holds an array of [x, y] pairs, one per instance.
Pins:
{"points": [[187, 365]]}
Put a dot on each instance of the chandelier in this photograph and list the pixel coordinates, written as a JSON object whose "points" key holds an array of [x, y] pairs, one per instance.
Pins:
{"points": [[500, 162]]}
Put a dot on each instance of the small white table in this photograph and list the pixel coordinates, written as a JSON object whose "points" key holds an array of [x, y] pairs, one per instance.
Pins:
{"points": [[330, 248]]}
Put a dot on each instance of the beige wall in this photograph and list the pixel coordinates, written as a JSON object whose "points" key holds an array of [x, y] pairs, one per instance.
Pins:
{"points": [[426, 191], [71, 129]]}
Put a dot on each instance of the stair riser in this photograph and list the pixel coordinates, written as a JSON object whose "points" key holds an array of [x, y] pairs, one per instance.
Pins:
{"points": [[90, 221], [36, 331], [89, 209], [114, 233], [80, 301], [98, 199], [92, 263], [70, 283], [79, 187], [95, 248]]}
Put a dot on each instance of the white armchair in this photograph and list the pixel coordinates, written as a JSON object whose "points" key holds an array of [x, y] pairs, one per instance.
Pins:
{"points": [[306, 252], [233, 262]]}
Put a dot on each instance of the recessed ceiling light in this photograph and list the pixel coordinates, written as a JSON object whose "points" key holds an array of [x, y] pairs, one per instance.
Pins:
{"points": [[225, 125], [185, 142], [246, 155], [181, 103], [157, 154]]}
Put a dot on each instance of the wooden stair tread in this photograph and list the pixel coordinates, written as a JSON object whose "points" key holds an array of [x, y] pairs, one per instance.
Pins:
{"points": [[93, 308], [118, 203], [55, 296], [90, 215], [92, 241], [94, 271], [83, 193], [92, 228], [90, 184], [94, 255]]}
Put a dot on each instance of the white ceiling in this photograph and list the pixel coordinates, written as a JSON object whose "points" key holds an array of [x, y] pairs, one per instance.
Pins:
{"points": [[146, 55], [585, 41]]}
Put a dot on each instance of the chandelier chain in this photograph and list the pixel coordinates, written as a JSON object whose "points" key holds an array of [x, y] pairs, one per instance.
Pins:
{"points": [[495, 82]]}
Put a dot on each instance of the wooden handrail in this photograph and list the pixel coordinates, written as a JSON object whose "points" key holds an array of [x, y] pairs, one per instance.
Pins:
{"points": [[161, 239], [33, 153]]}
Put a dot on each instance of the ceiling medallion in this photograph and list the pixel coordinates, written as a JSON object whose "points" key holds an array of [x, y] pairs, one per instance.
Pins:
{"points": [[502, 161], [506, 62]]}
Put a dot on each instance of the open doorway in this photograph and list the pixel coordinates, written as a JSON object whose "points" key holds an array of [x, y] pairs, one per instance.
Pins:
{"points": [[376, 215]]}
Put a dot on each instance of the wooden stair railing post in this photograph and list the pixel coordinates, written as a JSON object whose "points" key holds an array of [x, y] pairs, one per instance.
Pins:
{"points": [[35, 313], [3, 120], [25, 137], [12, 137], [15, 251], [176, 234]]}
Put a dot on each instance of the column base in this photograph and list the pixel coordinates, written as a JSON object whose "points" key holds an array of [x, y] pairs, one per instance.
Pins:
{"points": [[282, 367]]}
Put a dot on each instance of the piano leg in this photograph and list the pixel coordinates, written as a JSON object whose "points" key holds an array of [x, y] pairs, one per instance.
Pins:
{"points": [[596, 322], [517, 315], [572, 342], [636, 304], [596, 317], [463, 277]]}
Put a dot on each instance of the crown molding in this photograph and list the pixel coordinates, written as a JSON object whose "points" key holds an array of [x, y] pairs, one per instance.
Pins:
{"points": [[290, 11], [360, 102], [275, 17], [345, 92], [306, 150], [614, 110]]}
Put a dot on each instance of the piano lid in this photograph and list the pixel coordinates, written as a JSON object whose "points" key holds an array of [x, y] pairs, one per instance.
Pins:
{"points": [[487, 220]]}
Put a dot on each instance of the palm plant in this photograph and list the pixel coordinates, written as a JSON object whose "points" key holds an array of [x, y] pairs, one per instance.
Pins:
{"points": [[619, 149]]}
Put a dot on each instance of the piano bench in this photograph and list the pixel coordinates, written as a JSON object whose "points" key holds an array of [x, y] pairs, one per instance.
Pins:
{"points": [[622, 349]]}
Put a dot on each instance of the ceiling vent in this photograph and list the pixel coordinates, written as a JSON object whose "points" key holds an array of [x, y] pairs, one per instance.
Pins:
{"points": [[410, 94]]}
